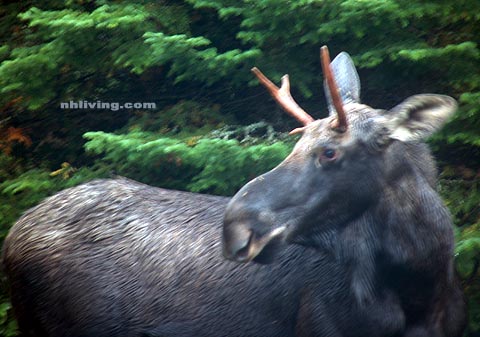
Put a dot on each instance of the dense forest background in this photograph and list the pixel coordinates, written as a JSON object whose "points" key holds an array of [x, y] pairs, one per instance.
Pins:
{"points": [[214, 127]]}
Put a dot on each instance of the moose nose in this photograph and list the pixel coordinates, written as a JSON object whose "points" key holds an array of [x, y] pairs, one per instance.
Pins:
{"points": [[237, 242], [248, 227], [243, 244]]}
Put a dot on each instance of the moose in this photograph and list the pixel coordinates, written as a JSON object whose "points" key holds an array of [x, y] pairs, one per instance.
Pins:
{"points": [[346, 237]]}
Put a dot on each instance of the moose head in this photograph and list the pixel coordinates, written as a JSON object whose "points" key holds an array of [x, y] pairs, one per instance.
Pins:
{"points": [[340, 170]]}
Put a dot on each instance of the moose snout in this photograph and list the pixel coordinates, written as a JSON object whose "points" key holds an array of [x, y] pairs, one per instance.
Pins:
{"points": [[247, 232], [244, 244], [236, 242]]}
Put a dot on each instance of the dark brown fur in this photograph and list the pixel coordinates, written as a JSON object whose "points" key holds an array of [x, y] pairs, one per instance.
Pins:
{"points": [[119, 258]]}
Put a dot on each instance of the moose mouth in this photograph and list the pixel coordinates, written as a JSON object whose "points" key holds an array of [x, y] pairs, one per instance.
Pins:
{"points": [[256, 248]]}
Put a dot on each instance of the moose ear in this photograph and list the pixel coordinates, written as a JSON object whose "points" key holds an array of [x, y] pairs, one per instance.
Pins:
{"points": [[420, 116], [347, 80]]}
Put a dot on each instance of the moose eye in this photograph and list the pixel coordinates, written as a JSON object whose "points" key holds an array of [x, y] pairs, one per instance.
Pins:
{"points": [[329, 154], [326, 156]]}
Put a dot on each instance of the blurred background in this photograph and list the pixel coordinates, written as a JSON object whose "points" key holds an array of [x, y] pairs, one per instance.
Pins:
{"points": [[214, 128]]}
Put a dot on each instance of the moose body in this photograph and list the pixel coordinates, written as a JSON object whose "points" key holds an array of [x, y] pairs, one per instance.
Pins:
{"points": [[350, 236], [119, 258]]}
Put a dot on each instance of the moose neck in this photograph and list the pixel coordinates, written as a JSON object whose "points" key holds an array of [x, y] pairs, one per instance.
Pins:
{"points": [[370, 238]]}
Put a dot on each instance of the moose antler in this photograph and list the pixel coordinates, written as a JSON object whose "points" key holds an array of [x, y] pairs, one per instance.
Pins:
{"points": [[341, 124], [284, 98]]}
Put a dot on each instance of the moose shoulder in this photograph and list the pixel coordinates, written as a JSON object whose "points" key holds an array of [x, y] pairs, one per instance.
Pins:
{"points": [[351, 237]]}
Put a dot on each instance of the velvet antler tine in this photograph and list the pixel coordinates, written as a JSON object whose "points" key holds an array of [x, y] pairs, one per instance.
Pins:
{"points": [[332, 86], [283, 97]]}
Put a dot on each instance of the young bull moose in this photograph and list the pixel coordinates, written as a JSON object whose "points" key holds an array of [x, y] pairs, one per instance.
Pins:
{"points": [[357, 240]]}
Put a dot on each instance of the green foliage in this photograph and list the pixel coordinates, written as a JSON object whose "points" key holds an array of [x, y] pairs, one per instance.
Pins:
{"points": [[16, 196], [8, 326], [50, 53], [24, 191], [73, 43], [467, 254], [462, 196], [198, 164], [423, 36], [191, 59], [468, 250], [147, 51], [460, 189]]}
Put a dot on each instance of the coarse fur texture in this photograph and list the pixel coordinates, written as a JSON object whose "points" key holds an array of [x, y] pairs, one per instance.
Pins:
{"points": [[119, 258]]}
